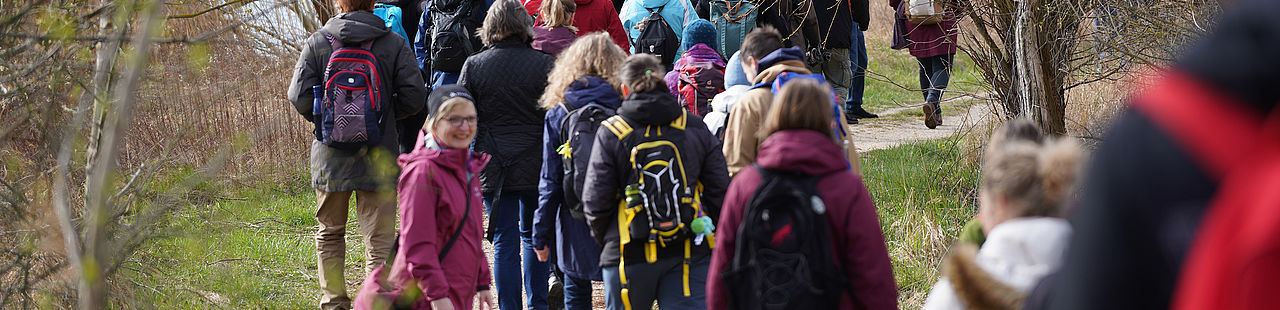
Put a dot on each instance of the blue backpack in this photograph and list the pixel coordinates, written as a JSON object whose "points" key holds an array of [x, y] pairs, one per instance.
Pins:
{"points": [[394, 18], [785, 77]]}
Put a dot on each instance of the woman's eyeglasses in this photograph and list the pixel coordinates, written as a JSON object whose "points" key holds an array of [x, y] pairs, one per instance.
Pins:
{"points": [[457, 121]]}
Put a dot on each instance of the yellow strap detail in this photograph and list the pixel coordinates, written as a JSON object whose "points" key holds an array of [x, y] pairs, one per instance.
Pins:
{"points": [[651, 252], [618, 126], [679, 123], [624, 237], [686, 268]]}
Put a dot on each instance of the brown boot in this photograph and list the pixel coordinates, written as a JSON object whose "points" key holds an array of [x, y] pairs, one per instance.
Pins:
{"points": [[931, 116]]}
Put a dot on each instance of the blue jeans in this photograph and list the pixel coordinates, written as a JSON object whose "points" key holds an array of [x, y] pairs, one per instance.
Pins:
{"points": [[662, 280], [858, 65], [935, 73], [512, 222], [577, 293]]}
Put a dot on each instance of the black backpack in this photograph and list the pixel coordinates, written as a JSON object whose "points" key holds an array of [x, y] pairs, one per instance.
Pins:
{"points": [[577, 136], [657, 38], [453, 32], [783, 258]]}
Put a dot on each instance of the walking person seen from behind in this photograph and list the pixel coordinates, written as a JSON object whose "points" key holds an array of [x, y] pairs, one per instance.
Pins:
{"points": [[441, 263], [354, 153], [653, 190], [507, 78], [798, 218], [585, 76]]}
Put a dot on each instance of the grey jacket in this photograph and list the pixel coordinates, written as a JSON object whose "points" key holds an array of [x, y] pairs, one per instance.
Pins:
{"points": [[370, 168]]}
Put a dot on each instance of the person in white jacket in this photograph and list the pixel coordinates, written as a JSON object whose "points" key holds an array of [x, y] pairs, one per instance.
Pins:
{"points": [[1026, 181]]}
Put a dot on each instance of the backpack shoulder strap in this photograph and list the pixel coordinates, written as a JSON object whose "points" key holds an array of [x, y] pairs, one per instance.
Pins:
{"points": [[618, 126]]}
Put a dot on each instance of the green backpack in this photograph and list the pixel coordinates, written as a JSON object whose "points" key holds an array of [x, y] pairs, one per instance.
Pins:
{"points": [[733, 20]]}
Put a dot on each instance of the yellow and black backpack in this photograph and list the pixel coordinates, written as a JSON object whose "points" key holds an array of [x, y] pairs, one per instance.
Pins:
{"points": [[660, 204]]}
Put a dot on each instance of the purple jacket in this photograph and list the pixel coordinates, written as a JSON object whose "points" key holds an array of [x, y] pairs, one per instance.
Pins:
{"points": [[857, 241], [699, 52], [926, 40], [552, 40], [433, 194]]}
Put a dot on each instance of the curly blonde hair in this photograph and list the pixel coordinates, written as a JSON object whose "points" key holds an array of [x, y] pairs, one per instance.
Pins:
{"points": [[594, 54]]}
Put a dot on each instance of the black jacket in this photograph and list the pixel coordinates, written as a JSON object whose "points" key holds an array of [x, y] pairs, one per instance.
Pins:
{"points": [[835, 21], [507, 78], [610, 172], [1144, 194]]}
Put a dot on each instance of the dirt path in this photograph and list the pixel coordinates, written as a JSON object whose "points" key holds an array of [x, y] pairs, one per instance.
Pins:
{"points": [[895, 127]]}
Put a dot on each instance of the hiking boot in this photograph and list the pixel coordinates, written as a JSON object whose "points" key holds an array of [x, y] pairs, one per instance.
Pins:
{"points": [[858, 112], [852, 120], [931, 116], [555, 295]]}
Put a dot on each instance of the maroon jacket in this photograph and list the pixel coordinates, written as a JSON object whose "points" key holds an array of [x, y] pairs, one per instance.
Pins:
{"points": [[592, 16], [552, 40], [927, 40], [433, 196], [856, 239]]}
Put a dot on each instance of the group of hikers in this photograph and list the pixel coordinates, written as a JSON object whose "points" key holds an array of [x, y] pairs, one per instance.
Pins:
{"points": [[624, 148]]}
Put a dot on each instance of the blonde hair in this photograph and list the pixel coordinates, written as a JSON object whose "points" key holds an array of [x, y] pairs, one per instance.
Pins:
{"points": [[1036, 177], [594, 54], [445, 108], [558, 13], [505, 19], [801, 104], [643, 73]]}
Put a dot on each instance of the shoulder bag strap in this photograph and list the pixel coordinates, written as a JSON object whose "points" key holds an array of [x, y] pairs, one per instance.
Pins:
{"points": [[458, 232]]}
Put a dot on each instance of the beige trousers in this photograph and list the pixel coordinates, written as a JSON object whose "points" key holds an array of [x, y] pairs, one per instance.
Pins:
{"points": [[376, 212]]}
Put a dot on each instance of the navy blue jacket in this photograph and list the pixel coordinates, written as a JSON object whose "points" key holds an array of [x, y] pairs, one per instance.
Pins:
{"points": [[578, 254]]}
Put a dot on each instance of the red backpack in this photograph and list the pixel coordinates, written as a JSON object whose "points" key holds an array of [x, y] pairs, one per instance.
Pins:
{"points": [[699, 83], [1235, 259]]}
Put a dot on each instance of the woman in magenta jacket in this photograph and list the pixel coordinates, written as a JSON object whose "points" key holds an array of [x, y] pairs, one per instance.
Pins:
{"points": [[440, 264], [799, 121]]}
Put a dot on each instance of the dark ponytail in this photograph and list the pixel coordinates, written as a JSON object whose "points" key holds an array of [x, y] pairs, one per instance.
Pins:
{"points": [[643, 73]]}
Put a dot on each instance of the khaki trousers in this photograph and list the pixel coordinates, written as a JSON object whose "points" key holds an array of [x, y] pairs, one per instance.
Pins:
{"points": [[376, 212]]}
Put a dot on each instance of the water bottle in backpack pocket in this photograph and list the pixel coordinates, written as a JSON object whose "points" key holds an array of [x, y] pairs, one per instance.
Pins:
{"points": [[783, 259], [348, 113]]}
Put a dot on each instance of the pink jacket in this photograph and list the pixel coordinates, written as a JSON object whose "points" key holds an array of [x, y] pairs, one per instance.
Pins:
{"points": [[592, 16], [433, 196], [857, 241]]}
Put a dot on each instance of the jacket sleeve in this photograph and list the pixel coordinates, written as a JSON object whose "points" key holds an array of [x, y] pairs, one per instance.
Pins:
{"points": [[419, 231], [411, 92], [305, 75], [550, 189], [740, 142], [616, 31], [861, 13], [421, 45], [600, 193], [863, 253], [714, 176]]}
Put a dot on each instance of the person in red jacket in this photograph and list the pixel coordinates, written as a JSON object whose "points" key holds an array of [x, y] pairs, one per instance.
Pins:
{"points": [[798, 125], [591, 16], [440, 264]]}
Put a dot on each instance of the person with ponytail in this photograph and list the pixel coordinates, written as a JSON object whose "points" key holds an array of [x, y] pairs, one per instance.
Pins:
{"points": [[675, 275], [587, 74], [1025, 186], [553, 29]]}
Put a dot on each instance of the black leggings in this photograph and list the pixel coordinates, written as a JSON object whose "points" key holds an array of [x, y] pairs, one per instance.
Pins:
{"points": [[935, 72]]}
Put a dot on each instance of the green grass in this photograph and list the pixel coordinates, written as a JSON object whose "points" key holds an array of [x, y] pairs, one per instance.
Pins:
{"points": [[893, 78], [924, 193]]}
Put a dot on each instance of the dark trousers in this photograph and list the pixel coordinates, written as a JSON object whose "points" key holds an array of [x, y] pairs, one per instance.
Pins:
{"points": [[935, 72]]}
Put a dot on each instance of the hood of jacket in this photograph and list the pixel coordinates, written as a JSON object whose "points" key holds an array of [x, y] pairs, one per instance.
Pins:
{"points": [[452, 159], [558, 35], [588, 89], [780, 55], [648, 4], [805, 150], [656, 107], [700, 52], [581, 3], [789, 59], [354, 27]]}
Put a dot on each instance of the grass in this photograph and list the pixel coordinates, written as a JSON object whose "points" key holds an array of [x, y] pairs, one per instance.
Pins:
{"points": [[251, 246], [925, 192]]}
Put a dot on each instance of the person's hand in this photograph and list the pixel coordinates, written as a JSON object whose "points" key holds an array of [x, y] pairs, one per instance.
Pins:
{"points": [[484, 299], [442, 304], [542, 253]]}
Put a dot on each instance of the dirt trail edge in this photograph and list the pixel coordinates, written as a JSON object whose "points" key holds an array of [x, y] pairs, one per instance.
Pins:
{"points": [[887, 132]]}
